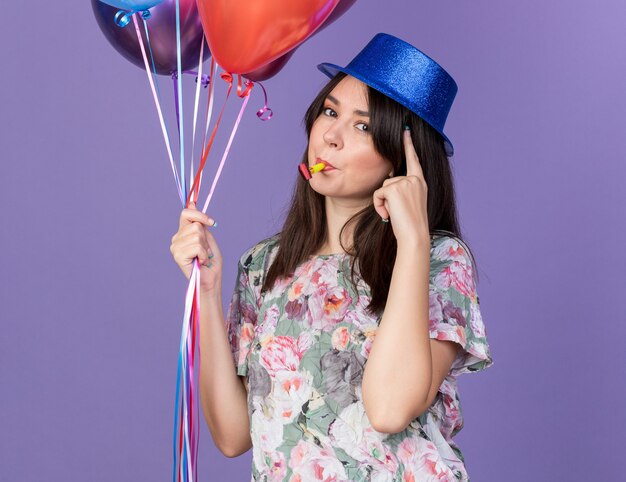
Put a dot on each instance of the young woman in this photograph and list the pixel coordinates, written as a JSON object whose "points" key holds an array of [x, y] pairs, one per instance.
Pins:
{"points": [[349, 327]]}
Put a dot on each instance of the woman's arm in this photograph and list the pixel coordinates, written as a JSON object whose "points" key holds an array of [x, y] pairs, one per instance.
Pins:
{"points": [[222, 392], [405, 367]]}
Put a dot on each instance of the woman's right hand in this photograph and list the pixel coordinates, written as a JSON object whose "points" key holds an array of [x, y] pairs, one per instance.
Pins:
{"points": [[193, 240]]}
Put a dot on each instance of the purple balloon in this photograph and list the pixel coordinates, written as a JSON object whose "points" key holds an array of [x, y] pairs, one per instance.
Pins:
{"points": [[162, 32]]}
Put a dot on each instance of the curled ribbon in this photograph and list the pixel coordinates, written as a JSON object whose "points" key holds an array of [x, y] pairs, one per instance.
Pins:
{"points": [[265, 108], [241, 93]]}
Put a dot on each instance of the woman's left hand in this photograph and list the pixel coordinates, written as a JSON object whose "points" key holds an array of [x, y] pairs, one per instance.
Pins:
{"points": [[402, 199]]}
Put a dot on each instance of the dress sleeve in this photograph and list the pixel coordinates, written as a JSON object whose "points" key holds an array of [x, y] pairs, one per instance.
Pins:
{"points": [[242, 317], [454, 311]]}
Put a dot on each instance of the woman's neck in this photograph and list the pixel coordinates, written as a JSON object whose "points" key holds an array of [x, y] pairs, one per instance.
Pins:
{"points": [[338, 211]]}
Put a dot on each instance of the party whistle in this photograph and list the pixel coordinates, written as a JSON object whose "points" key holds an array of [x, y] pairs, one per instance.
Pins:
{"points": [[307, 172]]}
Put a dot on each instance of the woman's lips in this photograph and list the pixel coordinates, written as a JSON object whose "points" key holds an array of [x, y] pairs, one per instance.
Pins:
{"points": [[329, 166]]}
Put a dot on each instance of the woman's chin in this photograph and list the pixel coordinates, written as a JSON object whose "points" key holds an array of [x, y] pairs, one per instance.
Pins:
{"points": [[330, 193], [322, 190]]}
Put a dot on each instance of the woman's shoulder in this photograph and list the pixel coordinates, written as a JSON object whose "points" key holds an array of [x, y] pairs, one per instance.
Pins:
{"points": [[445, 245], [254, 257], [446, 250]]}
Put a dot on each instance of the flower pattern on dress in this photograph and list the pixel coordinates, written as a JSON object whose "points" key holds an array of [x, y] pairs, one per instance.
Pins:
{"points": [[303, 346]]}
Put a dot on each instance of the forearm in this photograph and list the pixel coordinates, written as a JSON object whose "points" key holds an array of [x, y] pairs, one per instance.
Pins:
{"points": [[222, 393], [398, 372]]}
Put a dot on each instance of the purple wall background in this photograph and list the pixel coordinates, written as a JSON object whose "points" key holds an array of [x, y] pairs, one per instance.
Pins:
{"points": [[91, 301]]}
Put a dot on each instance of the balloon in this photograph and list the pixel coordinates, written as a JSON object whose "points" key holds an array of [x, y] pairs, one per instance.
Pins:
{"points": [[245, 35], [162, 32], [275, 66], [133, 5], [342, 7], [271, 69]]}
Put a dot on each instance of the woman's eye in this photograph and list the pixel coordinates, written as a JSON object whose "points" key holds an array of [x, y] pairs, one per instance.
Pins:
{"points": [[329, 111], [365, 128]]}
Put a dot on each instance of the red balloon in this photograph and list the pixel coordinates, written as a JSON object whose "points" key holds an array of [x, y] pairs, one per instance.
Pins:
{"points": [[245, 35], [271, 69]]}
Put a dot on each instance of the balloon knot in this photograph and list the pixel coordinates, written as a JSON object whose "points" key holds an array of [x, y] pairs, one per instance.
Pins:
{"points": [[122, 18], [206, 80]]}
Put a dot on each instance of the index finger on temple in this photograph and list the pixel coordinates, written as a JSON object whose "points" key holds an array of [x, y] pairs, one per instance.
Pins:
{"points": [[413, 167]]}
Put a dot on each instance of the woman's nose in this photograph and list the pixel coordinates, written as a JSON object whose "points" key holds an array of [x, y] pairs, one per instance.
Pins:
{"points": [[333, 135]]}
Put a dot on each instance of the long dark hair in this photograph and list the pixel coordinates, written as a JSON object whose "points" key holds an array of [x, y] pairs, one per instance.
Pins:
{"points": [[374, 244]]}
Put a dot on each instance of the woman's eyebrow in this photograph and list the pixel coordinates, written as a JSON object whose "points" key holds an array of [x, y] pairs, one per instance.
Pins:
{"points": [[356, 111]]}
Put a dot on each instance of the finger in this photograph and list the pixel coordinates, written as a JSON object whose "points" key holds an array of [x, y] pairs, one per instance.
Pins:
{"points": [[190, 215], [413, 166], [210, 259], [379, 199], [392, 180], [193, 238], [186, 254], [213, 247], [194, 227], [191, 245], [187, 217]]}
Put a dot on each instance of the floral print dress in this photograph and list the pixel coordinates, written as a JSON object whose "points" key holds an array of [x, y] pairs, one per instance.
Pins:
{"points": [[303, 346]]}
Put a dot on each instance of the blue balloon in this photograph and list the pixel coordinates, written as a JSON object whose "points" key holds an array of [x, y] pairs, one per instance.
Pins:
{"points": [[133, 5]]}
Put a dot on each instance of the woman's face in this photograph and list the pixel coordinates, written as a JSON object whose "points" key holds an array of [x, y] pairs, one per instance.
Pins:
{"points": [[340, 135]]}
